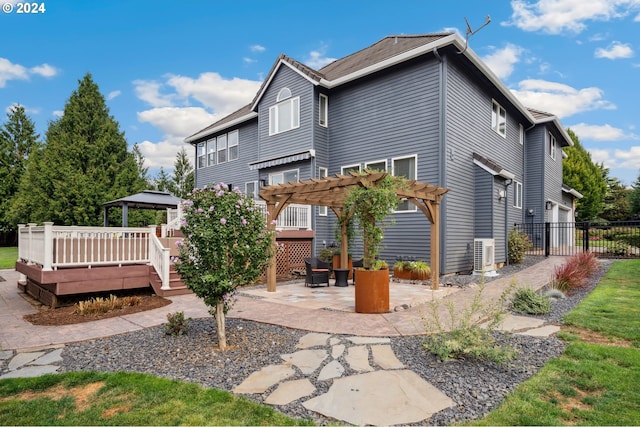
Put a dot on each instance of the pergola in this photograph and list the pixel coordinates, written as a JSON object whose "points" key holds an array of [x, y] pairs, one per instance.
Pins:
{"points": [[332, 192]]}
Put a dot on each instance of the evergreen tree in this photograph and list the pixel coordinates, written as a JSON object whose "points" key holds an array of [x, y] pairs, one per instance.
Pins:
{"points": [[84, 164], [616, 206], [183, 179], [161, 181], [18, 139], [579, 172], [634, 198]]}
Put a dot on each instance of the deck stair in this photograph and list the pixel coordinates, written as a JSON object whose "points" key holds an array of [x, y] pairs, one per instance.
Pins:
{"points": [[175, 283]]}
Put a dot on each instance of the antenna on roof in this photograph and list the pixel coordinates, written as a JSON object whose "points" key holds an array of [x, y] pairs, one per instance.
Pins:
{"points": [[471, 32]]}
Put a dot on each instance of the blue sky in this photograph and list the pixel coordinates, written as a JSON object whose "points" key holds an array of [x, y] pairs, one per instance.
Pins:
{"points": [[170, 68]]}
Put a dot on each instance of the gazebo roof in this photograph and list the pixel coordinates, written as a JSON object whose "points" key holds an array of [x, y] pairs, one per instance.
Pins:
{"points": [[148, 199]]}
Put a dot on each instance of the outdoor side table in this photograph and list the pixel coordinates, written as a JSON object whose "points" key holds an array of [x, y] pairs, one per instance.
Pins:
{"points": [[342, 274]]}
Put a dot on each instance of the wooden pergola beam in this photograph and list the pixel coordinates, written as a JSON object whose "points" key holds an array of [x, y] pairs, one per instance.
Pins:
{"points": [[332, 192]]}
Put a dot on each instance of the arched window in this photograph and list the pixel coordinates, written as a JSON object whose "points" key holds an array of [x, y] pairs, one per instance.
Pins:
{"points": [[285, 115]]}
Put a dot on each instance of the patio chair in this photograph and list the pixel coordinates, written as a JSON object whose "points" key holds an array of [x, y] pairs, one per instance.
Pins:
{"points": [[317, 272]]}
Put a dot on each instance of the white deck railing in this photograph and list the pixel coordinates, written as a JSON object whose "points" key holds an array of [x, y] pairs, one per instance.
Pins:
{"points": [[174, 221], [293, 217], [160, 258]]}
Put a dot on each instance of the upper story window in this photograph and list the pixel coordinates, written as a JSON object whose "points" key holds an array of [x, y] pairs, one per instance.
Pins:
{"points": [[344, 170], [521, 135], [202, 155], [283, 177], [222, 148], [552, 146], [211, 152], [380, 165], [322, 173], [499, 119], [285, 115], [517, 195], [233, 145], [323, 110], [407, 167]]}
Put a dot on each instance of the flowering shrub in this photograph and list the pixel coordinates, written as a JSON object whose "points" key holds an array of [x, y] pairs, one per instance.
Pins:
{"points": [[226, 246]]}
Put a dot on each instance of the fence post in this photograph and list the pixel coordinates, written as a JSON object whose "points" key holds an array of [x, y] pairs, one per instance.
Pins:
{"points": [[48, 246], [585, 242], [547, 238]]}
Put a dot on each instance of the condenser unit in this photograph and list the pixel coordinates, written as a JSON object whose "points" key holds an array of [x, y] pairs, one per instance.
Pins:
{"points": [[484, 257]]}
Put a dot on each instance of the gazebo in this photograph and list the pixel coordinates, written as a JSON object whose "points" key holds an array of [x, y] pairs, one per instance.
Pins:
{"points": [[332, 192], [148, 199]]}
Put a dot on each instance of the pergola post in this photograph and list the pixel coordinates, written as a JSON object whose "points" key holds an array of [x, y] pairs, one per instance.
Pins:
{"points": [[344, 246], [435, 246], [271, 269]]}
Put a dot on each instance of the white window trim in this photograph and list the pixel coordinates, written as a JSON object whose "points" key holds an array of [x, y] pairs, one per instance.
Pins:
{"points": [[516, 193], [199, 155], [322, 210], [496, 126], [323, 116], [274, 110], [552, 146], [255, 187], [521, 134], [271, 175], [366, 165], [413, 207], [358, 165], [219, 150], [237, 144]]}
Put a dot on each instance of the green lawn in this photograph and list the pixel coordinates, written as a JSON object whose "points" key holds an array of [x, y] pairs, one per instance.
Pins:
{"points": [[8, 257], [590, 384], [90, 398]]}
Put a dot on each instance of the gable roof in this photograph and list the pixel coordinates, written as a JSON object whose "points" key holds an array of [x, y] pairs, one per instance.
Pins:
{"points": [[385, 53], [544, 117]]}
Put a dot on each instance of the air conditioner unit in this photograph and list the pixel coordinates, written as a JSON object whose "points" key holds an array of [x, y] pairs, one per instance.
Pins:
{"points": [[484, 257]]}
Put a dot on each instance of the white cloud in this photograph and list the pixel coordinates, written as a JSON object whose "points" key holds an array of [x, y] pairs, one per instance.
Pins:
{"points": [[637, 18], [600, 132], [502, 61], [614, 51], [318, 59], [177, 122], [257, 48], [149, 91], [557, 16], [58, 113], [113, 94], [247, 60], [44, 70], [622, 164], [27, 110], [629, 159], [10, 71], [560, 99], [163, 153]]}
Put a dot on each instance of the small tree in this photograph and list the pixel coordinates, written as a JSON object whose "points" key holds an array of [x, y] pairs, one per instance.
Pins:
{"points": [[226, 246]]}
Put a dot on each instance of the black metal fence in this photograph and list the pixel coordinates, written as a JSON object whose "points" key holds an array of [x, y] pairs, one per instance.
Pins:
{"points": [[609, 240]]}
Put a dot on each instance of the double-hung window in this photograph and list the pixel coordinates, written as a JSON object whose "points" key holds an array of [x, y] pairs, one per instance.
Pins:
{"points": [[211, 152], [346, 169], [552, 146], [407, 167], [380, 165], [222, 148], [285, 115], [283, 177], [323, 110], [517, 195], [233, 145], [322, 173], [499, 119], [250, 189], [202, 155]]}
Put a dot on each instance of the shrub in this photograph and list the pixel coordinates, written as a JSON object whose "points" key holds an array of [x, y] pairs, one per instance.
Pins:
{"points": [[618, 248], [104, 305], [518, 245], [573, 273], [463, 336], [176, 324], [527, 301]]}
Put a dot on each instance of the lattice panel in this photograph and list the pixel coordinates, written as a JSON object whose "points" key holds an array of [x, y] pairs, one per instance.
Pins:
{"points": [[291, 255]]}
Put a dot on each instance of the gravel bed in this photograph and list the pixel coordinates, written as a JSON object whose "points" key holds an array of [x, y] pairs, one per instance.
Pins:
{"points": [[477, 387]]}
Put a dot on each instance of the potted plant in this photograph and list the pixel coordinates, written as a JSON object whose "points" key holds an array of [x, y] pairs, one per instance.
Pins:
{"points": [[420, 270], [369, 205]]}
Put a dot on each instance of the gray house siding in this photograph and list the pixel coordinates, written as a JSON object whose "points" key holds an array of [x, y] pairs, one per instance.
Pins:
{"points": [[468, 130], [322, 225], [483, 203], [384, 117], [499, 224], [294, 140], [553, 174], [235, 172], [535, 183]]}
